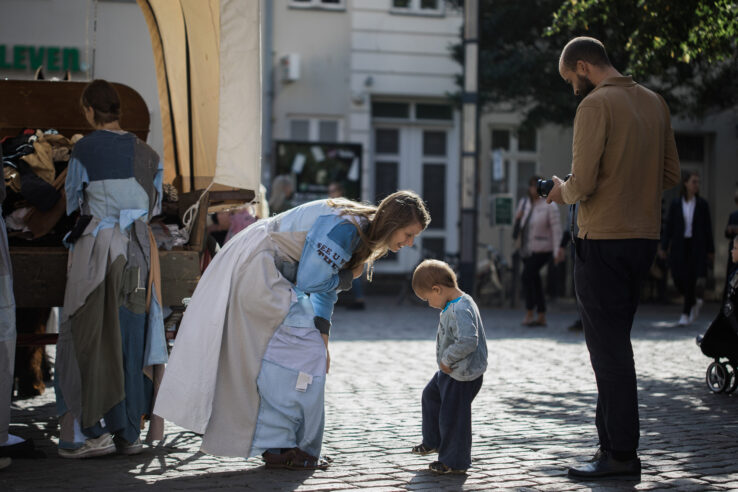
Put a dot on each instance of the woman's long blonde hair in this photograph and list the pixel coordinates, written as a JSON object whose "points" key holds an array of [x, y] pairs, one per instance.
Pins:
{"points": [[398, 210]]}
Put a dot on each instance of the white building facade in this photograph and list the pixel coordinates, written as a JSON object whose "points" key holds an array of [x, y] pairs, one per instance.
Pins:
{"points": [[377, 73]]}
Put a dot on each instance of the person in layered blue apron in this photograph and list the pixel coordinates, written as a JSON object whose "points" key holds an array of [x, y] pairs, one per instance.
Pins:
{"points": [[248, 367], [111, 337]]}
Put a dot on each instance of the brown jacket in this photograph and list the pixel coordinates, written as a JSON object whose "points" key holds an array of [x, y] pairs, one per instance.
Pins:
{"points": [[624, 156]]}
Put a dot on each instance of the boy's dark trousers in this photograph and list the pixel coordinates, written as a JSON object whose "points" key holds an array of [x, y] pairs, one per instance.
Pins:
{"points": [[447, 418], [608, 275]]}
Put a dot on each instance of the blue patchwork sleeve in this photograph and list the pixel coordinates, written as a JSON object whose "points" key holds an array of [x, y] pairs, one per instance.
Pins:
{"points": [[329, 244], [158, 179], [74, 184]]}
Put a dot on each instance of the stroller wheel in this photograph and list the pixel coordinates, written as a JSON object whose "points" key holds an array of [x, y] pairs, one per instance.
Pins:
{"points": [[717, 377], [733, 378]]}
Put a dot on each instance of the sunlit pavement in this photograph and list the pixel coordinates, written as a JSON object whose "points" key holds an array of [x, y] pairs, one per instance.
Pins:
{"points": [[533, 417]]}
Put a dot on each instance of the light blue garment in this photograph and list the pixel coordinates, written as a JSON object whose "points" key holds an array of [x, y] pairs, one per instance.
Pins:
{"points": [[119, 201], [330, 242], [461, 343], [7, 300], [287, 417]]}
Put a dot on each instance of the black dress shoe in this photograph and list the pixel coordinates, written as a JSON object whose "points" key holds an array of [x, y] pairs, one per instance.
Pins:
{"points": [[607, 466], [597, 456]]}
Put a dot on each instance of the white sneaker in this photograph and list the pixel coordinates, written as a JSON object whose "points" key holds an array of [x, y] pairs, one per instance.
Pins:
{"points": [[99, 446], [695, 311], [128, 448], [5, 462], [683, 320]]}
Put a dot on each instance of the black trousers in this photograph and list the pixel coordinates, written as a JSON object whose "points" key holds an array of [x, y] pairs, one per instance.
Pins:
{"points": [[447, 418], [686, 278], [531, 277], [608, 277]]}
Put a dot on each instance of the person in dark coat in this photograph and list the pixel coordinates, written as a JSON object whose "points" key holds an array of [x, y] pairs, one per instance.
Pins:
{"points": [[731, 232], [689, 243]]}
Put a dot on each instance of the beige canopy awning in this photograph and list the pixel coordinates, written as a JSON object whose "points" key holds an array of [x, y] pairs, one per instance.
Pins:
{"points": [[207, 57]]}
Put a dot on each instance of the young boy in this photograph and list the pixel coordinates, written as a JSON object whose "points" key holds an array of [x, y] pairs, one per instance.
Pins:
{"points": [[461, 353]]}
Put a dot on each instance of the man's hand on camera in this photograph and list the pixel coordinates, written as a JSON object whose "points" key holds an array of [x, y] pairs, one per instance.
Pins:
{"points": [[555, 194]]}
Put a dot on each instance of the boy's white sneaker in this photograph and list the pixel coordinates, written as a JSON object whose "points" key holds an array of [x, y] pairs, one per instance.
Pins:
{"points": [[683, 320], [695, 311], [99, 446]]}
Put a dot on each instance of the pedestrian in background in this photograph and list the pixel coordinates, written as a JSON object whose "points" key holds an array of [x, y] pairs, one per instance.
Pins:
{"points": [[731, 232], [688, 242], [540, 235], [281, 195], [461, 355], [623, 156]]}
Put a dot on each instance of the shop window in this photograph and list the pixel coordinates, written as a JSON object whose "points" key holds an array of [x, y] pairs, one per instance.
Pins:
{"points": [[691, 148], [390, 110], [300, 130], [527, 140], [434, 143], [425, 111], [387, 141], [319, 4], [501, 139]]}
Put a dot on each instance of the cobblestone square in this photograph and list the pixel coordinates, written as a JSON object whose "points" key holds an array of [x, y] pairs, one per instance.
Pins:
{"points": [[533, 417]]}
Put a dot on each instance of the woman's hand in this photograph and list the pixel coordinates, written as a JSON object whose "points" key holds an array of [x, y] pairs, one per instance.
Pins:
{"points": [[444, 368], [358, 270]]}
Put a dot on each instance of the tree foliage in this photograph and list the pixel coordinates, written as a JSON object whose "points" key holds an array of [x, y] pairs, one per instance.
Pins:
{"points": [[684, 49]]}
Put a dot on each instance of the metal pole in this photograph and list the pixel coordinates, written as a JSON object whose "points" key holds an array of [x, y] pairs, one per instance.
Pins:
{"points": [[469, 148]]}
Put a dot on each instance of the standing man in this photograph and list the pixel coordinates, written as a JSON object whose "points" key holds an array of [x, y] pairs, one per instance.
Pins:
{"points": [[624, 156]]}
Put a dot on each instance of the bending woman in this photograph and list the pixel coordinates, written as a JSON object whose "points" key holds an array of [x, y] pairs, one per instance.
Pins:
{"points": [[112, 331], [248, 367]]}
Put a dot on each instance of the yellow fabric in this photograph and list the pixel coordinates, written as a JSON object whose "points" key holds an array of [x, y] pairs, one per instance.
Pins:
{"points": [[202, 19], [189, 31], [170, 161]]}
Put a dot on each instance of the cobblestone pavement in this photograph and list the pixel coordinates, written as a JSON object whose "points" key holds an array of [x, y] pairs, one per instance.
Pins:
{"points": [[533, 417]]}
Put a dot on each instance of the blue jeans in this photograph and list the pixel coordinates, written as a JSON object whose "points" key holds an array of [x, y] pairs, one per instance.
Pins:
{"points": [[447, 418]]}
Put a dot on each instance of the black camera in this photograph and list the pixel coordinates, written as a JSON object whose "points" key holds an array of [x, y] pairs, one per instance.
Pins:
{"points": [[544, 186]]}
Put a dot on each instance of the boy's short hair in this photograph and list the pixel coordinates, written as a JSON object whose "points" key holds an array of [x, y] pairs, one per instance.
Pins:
{"points": [[433, 272]]}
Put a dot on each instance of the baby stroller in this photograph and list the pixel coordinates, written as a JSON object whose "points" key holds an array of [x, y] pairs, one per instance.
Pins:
{"points": [[720, 342]]}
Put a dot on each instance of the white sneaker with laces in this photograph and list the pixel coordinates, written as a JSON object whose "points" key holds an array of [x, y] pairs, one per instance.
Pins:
{"points": [[128, 448], [683, 320], [695, 311], [99, 446]]}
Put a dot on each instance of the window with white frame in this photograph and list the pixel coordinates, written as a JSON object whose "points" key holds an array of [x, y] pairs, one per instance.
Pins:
{"points": [[319, 4], [310, 129], [514, 160], [421, 7]]}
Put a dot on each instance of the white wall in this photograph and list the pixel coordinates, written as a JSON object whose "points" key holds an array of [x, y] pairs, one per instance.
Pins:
{"points": [[121, 43]]}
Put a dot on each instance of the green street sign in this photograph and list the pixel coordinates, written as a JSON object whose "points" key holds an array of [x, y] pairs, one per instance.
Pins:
{"points": [[503, 210]]}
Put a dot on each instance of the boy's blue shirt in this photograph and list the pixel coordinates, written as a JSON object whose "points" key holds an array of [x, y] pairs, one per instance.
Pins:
{"points": [[461, 343]]}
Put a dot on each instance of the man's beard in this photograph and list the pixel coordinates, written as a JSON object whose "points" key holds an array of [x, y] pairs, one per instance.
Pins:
{"points": [[585, 87]]}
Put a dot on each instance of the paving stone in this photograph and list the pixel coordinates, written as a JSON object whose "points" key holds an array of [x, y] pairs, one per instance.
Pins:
{"points": [[532, 419]]}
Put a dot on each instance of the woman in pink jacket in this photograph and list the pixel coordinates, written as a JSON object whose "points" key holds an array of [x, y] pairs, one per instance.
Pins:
{"points": [[540, 237]]}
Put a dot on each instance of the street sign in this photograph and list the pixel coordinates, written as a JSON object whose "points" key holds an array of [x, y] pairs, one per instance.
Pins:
{"points": [[502, 210]]}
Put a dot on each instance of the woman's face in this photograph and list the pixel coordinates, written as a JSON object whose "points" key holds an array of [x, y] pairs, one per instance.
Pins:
{"points": [[692, 185], [404, 236]]}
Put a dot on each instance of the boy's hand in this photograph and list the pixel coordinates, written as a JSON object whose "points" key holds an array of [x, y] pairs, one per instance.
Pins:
{"points": [[444, 368]]}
